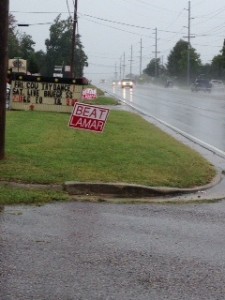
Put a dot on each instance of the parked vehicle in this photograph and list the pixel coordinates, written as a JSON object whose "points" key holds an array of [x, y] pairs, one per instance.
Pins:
{"points": [[201, 85]]}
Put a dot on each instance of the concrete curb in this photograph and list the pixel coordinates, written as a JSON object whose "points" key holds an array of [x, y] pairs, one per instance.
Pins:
{"points": [[123, 190], [122, 193]]}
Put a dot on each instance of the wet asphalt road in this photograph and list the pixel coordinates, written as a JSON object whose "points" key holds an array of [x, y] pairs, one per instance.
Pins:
{"points": [[200, 114], [105, 251]]}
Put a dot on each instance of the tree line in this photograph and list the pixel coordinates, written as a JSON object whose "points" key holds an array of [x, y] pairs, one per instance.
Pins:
{"points": [[58, 48], [177, 64]]}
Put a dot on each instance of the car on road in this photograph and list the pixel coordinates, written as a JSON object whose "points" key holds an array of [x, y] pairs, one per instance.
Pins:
{"points": [[127, 83], [116, 83], [168, 83], [201, 85], [217, 85]]}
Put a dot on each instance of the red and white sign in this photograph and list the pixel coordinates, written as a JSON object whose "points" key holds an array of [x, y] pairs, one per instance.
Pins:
{"points": [[89, 94], [88, 117]]}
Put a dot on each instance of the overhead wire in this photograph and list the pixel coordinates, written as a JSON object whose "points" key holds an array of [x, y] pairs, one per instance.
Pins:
{"points": [[101, 22], [119, 29], [101, 19]]}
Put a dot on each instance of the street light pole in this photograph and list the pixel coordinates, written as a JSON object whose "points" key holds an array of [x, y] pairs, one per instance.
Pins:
{"points": [[4, 17], [73, 39]]}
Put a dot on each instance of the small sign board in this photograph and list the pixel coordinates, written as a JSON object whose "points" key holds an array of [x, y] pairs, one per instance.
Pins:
{"points": [[18, 65], [89, 94], [88, 117]]}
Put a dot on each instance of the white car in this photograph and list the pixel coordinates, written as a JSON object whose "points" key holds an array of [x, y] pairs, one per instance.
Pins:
{"points": [[127, 83], [217, 85]]}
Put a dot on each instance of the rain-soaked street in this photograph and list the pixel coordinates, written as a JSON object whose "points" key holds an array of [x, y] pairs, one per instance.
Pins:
{"points": [[99, 251], [106, 251], [198, 114]]}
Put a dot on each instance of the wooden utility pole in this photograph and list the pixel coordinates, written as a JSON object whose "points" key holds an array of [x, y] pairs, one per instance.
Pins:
{"points": [[4, 17], [156, 52], [141, 57], [189, 36], [131, 61], [124, 64], [73, 40], [189, 44]]}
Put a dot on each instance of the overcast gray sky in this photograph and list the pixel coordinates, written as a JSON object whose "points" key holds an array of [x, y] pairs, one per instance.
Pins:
{"points": [[106, 39]]}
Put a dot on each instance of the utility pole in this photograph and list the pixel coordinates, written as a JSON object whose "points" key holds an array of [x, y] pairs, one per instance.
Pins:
{"points": [[120, 68], [73, 39], [141, 57], [124, 64], [189, 36], [188, 51], [115, 73], [131, 60], [156, 52], [4, 24]]}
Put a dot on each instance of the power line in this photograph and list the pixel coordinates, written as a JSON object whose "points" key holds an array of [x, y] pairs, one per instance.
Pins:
{"points": [[98, 18], [126, 24], [119, 29]]}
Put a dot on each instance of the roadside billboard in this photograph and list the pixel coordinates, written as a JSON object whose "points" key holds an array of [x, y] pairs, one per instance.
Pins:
{"points": [[45, 93]]}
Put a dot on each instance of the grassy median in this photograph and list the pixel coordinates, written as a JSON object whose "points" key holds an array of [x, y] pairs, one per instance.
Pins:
{"points": [[41, 148]]}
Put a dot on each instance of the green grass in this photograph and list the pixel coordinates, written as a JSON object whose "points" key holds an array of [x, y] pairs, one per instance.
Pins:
{"points": [[102, 100], [41, 148], [9, 196]]}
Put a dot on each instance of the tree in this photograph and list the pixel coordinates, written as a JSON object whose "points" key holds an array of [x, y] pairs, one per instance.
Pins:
{"points": [[154, 68], [217, 70], [26, 44], [80, 58], [206, 69], [38, 62], [26, 51], [218, 64], [59, 47], [177, 61], [13, 41], [21, 45]]}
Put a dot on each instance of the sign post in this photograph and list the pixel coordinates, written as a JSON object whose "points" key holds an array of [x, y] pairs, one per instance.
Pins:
{"points": [[88, 117]]}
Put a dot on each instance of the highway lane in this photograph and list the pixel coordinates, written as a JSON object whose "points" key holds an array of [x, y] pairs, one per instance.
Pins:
{"points": [[200, 115]]}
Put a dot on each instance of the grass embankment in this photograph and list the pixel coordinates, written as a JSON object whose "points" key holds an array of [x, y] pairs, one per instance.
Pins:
{"points": [[41, 148]]}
